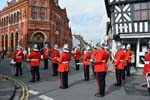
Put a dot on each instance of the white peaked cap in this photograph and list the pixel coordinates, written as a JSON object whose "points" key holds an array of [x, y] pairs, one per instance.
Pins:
{"points": [[65, 48], [106, 38], [102, 43], [128, 46], [119, 45], [149, 42], [18, 47], [55, 46], [123, 47], [85, 51], [35, 47], [46, 45], [87, 48]]}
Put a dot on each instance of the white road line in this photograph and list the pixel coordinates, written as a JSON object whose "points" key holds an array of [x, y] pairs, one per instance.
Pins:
{"points": [[45, 97], [33, 92]]}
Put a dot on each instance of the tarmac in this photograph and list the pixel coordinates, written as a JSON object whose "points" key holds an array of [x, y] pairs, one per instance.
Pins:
{"points": [[131, 90], [7, 89]]}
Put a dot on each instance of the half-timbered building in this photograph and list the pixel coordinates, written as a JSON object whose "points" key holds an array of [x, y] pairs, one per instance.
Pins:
{"points": [[130, 22]]}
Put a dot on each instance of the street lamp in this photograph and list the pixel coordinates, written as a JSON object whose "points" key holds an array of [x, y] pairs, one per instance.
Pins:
{"points": [[56, 33]]}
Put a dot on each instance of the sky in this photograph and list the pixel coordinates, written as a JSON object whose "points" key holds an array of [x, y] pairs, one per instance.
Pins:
{"points": [[87, 17]]}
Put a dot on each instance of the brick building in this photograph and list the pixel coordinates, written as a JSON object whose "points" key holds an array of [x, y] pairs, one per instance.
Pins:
{"points": [[26, 22]]}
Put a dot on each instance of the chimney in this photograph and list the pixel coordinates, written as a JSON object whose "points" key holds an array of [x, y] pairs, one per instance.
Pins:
{"points": [[56, 2]]}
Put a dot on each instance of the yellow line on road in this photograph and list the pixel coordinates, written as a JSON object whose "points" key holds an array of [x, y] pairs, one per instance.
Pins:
{"points": [[24, 95]]}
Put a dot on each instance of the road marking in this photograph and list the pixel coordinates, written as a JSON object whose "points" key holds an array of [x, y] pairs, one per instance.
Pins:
{"points": [[24, 95], [45, 97], [33, 92]]}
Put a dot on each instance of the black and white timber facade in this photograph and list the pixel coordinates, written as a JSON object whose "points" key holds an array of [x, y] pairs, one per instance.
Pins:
{"points": [[130, 23]]}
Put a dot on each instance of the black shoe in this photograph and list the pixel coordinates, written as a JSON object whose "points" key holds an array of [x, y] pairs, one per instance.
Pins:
{"points": [[149, 91], [98, 95], [38, 79], [16, 75], [116, 84], [32, 81]]}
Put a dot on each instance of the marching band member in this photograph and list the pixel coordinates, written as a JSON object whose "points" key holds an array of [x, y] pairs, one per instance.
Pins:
{"points": [[119, 64], [46, 54], [86, 63], [128, 60], [146, 70], [18, 58], [77, 55], [100, 69], [54, 56], [94, 51], [34, 59], [63, 67], [125, 63]]}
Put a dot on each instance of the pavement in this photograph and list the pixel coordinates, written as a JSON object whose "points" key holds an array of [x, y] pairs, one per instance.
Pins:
{"points": [[81, 90]]}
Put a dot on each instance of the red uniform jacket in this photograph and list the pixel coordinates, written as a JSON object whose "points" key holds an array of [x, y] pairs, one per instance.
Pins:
{"points": [[34, 58], [86, 59], [100, 64], [128, 56], [147, 64], [119, 59], [77, 54], [46, 53], [94, 53], [64, 62], [54, 55], [18, 56]]}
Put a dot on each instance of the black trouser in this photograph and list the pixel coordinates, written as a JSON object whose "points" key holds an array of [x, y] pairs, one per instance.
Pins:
{"points": [[86, 72], [100, 78], [46, 63], [55, 67], [126, 70], [77, 65], [64, 79], [124, 73], [18, 69], [93, 68], [119, 76], [35, 71]]}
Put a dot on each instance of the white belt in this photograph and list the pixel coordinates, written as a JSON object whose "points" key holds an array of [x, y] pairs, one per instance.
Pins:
{"points": [[115, 60], [18, 57], [65, 62], [147, 62], [34, 59], [103, 60], [121, 60]]}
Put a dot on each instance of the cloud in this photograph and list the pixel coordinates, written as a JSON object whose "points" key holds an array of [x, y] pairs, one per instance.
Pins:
{"points": [[87, 17]]}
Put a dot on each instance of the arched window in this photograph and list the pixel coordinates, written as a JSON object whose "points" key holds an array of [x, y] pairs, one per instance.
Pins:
{"points": [[17, 39], [12, 42], [6, 42], [12, 18], [2, 22], [3, 42], [7, 20], [43, 11], [17, 16], [34, 10]]}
